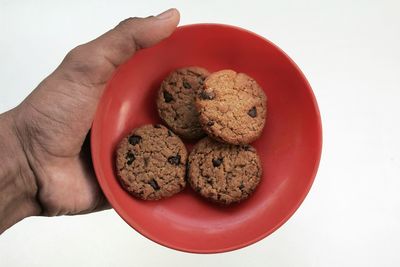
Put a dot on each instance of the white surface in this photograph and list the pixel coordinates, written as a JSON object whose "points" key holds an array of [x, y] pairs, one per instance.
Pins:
{"points": [[349, 50]]}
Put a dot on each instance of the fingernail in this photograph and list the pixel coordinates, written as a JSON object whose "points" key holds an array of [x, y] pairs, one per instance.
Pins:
{"points": [[166, 14]]}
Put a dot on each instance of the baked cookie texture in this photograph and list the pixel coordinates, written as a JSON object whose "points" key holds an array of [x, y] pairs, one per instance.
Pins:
{"points": [[232, 107], [151, 162], [223, 173], [175, 101]]}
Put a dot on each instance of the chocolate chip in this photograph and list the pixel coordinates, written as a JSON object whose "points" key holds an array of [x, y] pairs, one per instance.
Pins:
{"points": [[186, 85], [252, 112], [154, 184], [172, 83], [130, 157], [197, 189], [241, 186], [167, 97], [158, 126], [134, 139], [170, 133], [193, 73], [174, 160], [217, 162], [210, 123], [207, 95]]}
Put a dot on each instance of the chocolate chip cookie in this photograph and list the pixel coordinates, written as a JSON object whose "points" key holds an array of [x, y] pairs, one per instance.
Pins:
{"points": [[175, 101], [151, 162], [223, 173], [232, 107]]}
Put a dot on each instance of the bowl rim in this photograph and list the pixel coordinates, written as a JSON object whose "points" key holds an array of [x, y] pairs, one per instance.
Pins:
{"points": [[120, 211]]}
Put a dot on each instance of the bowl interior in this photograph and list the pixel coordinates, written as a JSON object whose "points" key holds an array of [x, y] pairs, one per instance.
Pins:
{"points": [[289, 148]]}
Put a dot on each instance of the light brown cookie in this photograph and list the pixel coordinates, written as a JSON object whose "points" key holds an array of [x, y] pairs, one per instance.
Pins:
{"points": [[175, 101], [223, 173], [151, 163], [232, 107]]}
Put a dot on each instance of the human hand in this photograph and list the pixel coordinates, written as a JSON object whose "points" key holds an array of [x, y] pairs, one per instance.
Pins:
{"points": [[52, 124]]}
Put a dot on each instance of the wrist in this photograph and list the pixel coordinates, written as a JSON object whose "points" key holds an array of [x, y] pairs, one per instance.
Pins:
{"points": [[18, 187]]}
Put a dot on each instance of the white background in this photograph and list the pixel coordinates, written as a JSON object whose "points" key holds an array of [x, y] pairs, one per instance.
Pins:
{"points": [[349, 51]]}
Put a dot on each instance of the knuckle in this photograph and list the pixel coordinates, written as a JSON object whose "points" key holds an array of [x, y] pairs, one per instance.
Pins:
{"points": [[82, 59], [128, 22], [75, 53]]}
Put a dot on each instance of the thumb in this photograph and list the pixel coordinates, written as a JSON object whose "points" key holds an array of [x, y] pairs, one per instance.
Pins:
{"points": [[135, 33], [94, 62]]}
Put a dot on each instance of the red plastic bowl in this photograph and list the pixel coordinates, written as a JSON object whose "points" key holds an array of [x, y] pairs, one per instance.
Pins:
{"points": [[290, 146]]}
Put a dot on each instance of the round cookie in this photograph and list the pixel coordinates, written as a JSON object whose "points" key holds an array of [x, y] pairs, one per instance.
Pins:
{"points": [[232, 107], [151, 163], [175, 101], [223, 173]]}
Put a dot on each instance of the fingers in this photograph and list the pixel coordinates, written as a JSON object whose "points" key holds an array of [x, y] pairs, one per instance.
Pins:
{"points": [[94, 62], [103, 204]]}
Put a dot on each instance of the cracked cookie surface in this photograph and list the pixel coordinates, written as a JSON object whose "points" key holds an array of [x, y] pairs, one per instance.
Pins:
{"points": [[175, 101], [232, 107], [223, 173], [151, 162]]}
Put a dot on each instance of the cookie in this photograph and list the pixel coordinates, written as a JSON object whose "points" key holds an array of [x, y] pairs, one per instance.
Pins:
{"points": [[175, 101], [223, 173], [151, 163], [232, 107]]}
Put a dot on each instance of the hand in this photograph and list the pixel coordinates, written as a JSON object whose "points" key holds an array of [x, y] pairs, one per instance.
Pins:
{"points": [[53, 123]]}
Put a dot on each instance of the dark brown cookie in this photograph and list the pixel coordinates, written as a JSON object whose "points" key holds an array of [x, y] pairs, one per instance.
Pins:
{"points": [[151, 163], [223, 173], [175, 101], [232, 107]]}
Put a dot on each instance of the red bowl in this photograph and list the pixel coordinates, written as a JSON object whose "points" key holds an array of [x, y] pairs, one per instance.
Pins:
{"points": [[290, 146]]}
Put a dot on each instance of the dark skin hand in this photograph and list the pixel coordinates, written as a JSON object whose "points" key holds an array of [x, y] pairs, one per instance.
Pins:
{"points": [[46, 166]]}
